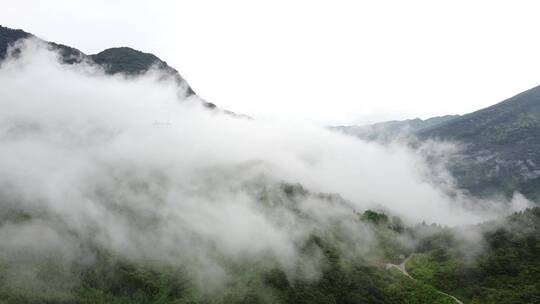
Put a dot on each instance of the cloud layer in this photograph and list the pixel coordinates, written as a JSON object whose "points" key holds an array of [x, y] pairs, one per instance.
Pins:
{"points": [[120, 163]]}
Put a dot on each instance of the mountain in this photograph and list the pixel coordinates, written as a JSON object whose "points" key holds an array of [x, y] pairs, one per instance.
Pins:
{"points": [[123, 60], [391, 130], [501, 144], [341, 255]]}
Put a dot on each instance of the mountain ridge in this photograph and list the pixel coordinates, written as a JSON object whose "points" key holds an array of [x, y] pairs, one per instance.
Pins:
{"points": [[125, 60], [393, 129], [501, 144]]}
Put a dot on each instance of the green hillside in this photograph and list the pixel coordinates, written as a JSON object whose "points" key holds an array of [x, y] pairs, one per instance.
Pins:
{"points": [[503, 266], [502, 146], [345, 276]]}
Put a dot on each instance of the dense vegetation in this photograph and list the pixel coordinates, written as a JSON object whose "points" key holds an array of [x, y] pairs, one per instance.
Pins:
{"points": [[329, 270], [505, 268], [114, 280]]}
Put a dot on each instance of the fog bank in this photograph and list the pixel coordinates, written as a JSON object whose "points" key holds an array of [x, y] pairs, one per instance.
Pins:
{"points": [[122, 163]]}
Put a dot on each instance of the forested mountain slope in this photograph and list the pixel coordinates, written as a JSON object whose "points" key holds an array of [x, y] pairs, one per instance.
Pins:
{"points": [[500, 144], [499, 263]]}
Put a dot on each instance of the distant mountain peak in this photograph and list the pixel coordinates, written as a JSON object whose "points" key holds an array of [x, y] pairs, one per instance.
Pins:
{"points": [[115, 60], [124, 60]]}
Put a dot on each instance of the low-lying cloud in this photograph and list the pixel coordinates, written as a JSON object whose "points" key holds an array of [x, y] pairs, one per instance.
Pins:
{"points": [[121, 163]]}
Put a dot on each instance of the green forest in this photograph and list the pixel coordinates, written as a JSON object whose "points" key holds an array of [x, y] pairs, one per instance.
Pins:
{"points": [[506, 269]]}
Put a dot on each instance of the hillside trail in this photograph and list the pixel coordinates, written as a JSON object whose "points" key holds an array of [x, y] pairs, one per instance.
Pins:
{"points": [[403, 270]]}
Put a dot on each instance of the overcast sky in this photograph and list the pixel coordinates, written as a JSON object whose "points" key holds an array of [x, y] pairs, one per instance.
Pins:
{"points": [[331, 62]]}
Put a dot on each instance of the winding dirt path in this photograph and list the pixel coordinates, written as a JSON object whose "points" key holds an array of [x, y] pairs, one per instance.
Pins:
{"points": [[402, 269]]}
